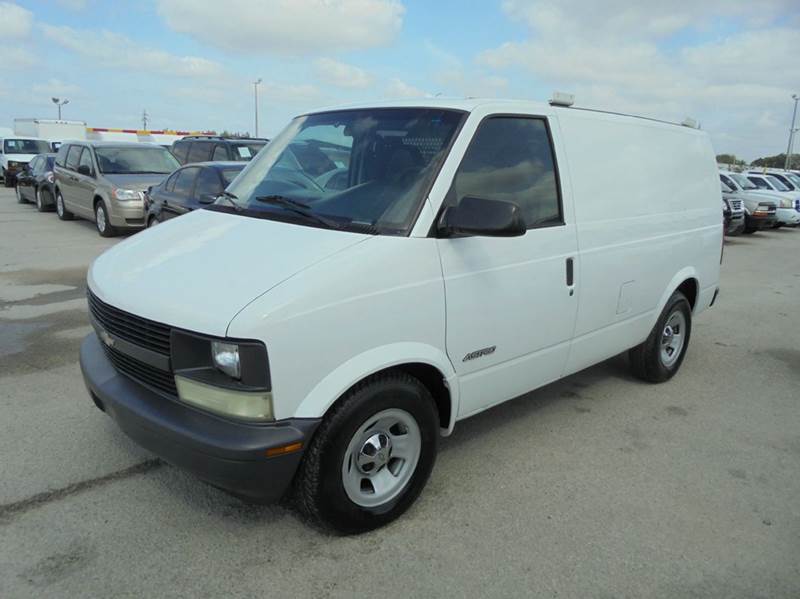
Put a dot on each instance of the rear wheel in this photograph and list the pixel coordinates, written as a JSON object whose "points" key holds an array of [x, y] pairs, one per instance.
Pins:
{"points": [[101, 221], [660, 356], [371, 456], [61, 210]]}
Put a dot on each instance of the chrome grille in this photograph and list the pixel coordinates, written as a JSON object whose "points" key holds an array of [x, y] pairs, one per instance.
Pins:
{"points": [[134, 329], [736, 204]]}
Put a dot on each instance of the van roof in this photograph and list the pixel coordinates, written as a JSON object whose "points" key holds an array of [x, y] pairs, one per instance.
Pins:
{"points": [[471, 104]]}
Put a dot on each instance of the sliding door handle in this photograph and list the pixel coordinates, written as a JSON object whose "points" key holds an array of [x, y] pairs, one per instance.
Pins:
{"points": [[570, 272]]}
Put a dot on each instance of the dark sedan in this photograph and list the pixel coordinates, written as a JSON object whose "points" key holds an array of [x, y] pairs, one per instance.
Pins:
{"points": [[36, 183], [188, 188]]}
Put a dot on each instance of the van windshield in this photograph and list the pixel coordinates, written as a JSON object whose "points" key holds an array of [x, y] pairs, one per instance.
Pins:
{"points": [[26, 146], [359, 170], [743, 181], [119, 160]]}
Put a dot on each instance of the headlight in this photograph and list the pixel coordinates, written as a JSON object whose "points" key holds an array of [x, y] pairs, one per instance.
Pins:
{"points": [[127, 194], [225, 376], [786, 203], [14, 164], [226, 358], [249, 405]]}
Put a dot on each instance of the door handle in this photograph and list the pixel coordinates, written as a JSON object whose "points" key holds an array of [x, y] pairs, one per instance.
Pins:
{"points": [[570, 273]]}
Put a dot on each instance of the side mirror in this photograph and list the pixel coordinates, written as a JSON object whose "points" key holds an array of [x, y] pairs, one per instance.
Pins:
{"points": [[207, 198], [482, 217], [85, 170]]}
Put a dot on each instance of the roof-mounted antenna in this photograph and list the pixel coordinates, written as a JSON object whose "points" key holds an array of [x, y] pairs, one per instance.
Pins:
{"points": [[562, 99]]}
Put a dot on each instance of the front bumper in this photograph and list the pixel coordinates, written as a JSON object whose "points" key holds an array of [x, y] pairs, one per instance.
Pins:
{"points": [[760, 222], [227, 454], [126, 214], [788, 216], [736, 225]]}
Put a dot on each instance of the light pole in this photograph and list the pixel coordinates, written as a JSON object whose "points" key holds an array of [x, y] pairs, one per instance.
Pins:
{"points": [[58, 102], [792, 129], [255, 91]]}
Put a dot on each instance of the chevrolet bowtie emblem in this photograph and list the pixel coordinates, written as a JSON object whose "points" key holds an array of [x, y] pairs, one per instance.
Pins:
{"points": [[105, 337]]}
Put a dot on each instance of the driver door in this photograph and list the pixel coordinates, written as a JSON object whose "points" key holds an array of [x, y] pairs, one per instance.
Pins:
{"points": [[511, 301]]}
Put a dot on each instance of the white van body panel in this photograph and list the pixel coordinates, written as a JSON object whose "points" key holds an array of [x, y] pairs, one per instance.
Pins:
{"points": [[376, 304], [636, 236]]}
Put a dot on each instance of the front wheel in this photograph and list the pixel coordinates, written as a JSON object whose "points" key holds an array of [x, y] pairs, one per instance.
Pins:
{"points": [[61, 210], [371, 456], [660, 356], [101, 221], [20, 199]]}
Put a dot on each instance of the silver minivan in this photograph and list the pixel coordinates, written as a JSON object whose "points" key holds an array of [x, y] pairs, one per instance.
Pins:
{"points": [[105, 182]]}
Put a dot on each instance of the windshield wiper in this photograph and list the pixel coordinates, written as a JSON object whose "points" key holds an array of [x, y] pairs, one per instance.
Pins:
{"points": [[231, 197], [300, 208]]}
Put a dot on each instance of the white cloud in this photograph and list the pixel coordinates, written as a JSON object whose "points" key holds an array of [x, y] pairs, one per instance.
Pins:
{"points": [[292, 27], [400, 89], [55, 87], [340, 74], [18, 57], [113, 50], [624, 56], [16, 21]]}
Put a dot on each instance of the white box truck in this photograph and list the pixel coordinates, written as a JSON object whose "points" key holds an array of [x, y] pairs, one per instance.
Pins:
{"points": [[52, 130]]}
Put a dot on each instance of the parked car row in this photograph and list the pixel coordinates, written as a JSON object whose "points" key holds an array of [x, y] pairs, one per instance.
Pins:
{"points": [[127, 186], [16, 153], [768, 199]]}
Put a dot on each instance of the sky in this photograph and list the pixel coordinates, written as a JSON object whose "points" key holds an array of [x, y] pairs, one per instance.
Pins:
{"points": [[732, 65]]}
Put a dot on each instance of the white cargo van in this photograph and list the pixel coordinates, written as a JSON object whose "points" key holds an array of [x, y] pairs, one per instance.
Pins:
{"points": [[378, 273]]}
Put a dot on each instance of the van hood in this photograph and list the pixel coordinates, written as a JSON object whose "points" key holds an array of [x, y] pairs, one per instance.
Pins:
{"points": [[135, 182], [196, 272]]}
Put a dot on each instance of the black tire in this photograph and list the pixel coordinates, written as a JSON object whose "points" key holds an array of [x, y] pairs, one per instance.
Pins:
{"points": [[101, 223], [646, 359], [318, 490], [61, 209], [6, 179], [153, 222], [43, 201]]}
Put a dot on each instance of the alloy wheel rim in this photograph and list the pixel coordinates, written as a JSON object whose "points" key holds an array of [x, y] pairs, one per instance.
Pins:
{"points": [[673, 338], [38, 198], [19, 195], [101, 218], [60, 205], [381, 458]]}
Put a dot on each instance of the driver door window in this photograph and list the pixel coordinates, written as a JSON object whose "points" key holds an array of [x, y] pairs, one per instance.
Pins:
{"points": [[511, 159]]}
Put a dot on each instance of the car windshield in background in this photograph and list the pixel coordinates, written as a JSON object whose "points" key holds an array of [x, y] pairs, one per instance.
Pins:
{"points": [[247, 151], [358, 170], [229, 174], [777, 183], [743, 181], [26, 146], [118, 160]]}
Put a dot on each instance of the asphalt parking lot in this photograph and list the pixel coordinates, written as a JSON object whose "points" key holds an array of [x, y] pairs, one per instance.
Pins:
{"points": [[596, 486]]}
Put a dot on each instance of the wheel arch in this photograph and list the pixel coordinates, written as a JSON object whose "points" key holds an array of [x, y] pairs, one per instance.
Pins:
{"points": [[429, 365], [687, 282]]}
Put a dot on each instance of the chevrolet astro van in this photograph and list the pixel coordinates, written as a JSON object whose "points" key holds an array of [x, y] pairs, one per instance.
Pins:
{"points": [[314, 331]]}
